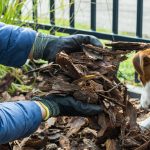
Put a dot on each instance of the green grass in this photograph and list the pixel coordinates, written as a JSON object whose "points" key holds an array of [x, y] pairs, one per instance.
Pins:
{"points": [[19, 87], [126, 70], [3, 71]]}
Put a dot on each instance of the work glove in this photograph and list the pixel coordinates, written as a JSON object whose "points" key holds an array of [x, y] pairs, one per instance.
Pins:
{"points": [[47, 46], [67, 106]]}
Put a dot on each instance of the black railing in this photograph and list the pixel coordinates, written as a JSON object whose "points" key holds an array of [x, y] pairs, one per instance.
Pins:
{"points": [[35, 13], [52, 15], [93, 15], [139, 18], [72, 14], [115, 16], [72, 30]]}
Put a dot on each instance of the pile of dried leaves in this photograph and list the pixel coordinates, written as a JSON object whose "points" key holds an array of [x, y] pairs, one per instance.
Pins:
{"points": [[89, 76]]}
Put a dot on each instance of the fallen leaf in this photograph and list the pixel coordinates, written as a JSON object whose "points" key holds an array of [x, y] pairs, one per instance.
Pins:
{"points": [[111, 144], [64, 143], [75, 125], [89, 132], [145, 146], [6, 96], [67, 65], [131, 113]]}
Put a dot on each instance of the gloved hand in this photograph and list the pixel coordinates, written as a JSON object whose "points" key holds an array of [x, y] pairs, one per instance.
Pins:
{"points": [[47, 46], [68, 106]]}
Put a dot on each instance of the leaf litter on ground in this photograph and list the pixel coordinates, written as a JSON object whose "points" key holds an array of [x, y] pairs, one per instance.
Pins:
{"points": [[90, 77]]}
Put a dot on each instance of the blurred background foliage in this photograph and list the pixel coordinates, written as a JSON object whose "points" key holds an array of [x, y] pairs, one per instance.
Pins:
{"points": [[10, 10]]}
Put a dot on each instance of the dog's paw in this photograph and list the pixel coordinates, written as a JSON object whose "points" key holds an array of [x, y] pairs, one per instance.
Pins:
{"points": [[144, 103], [145, 98]]}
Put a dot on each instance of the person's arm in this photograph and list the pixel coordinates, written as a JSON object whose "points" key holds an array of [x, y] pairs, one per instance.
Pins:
{"points": [[17, 44], [18, 120], [22, 118]]}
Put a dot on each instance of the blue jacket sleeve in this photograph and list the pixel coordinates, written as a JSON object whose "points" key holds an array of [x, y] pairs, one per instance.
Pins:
{"points": [[15, 44], [18, 120]]}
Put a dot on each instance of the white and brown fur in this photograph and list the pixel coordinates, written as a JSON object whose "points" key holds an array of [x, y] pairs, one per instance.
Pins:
{"points": [[141, 63]]}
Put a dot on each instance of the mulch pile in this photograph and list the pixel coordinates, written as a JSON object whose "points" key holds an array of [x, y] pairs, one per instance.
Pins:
{"points": [[90, 77]]}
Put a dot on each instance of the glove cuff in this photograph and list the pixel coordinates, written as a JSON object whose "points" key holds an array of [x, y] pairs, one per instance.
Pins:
{"points": [[50, 105], [40, 44]]}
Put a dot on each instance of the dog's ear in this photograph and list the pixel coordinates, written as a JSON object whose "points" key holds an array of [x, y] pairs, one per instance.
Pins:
{"points": [[146, 60], [141, 60], [138, 63]]}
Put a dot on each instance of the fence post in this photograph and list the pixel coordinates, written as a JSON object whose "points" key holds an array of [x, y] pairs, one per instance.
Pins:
{"points": [[72, 14], [93, 15], [115, 16], [35, 13], [139, 18], [52, 16], [139, 26]]}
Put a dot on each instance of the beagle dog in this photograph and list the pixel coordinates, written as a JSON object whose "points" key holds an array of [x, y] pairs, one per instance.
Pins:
{"points": [[141, 63]]}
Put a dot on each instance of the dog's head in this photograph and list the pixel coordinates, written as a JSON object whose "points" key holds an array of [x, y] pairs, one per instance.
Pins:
{"points": [[141, 63]]}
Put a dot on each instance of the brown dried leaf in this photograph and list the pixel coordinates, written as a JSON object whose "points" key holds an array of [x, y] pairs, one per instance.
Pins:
{"points": [[34, 142], [54, 134], [107, 129], [128, 45], [104, 51], [111, 144], [109, 132], [5, 146], [87, 131], [51, 146], [96, 86], [51, 122], [145, 146], [130, 143], [6, 96], [103, 121], [132, 114], [67, 65], [75, 125], [88, 89], [57, 85], [61, 85], [65, 143], [89, 145], [6, 82], [86, 94], [112, 115], [92, 55]]}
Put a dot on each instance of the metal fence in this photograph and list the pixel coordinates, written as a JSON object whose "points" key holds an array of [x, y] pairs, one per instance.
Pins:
{"points": [[114, 36]]}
